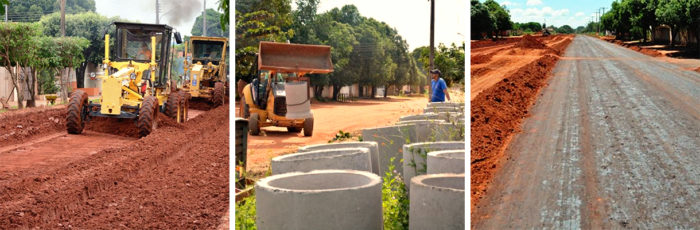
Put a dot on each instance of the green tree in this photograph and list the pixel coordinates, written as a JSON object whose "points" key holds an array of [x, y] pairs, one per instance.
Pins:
{"points": [[88, 25], [482, 21], [672, 13], [223, 7], [18, 46], [33, 10], [213, 25], [266, 20], [501, 14], [565, 29]]}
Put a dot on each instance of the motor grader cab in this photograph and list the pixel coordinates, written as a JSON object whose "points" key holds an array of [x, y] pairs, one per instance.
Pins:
{"points": [[280, 93], [205, 72], [135, 85]]}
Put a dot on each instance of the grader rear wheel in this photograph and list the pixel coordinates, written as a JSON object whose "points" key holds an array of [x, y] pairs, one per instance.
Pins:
{"points": [[173, 105], [75, 121], [148, 113], [218, 96]]}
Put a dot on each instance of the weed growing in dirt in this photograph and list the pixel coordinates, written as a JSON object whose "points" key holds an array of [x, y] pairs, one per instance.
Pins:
{"points": [[394, 200], [343, 136], [245, 213]]}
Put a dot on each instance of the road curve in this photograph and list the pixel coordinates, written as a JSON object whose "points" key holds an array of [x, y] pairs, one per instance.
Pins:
{"points": [[613, 142]]}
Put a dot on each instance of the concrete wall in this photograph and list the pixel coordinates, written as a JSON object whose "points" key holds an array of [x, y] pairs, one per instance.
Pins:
{"points": [[322, 199]]}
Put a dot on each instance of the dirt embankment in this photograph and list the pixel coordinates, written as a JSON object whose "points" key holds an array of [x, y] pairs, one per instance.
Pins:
{"points": [[174, 178], [650, 52], [17, 126], [498, 111]]}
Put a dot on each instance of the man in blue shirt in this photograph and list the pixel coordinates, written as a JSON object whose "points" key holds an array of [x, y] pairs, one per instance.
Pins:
{"points": [[438, 87]]}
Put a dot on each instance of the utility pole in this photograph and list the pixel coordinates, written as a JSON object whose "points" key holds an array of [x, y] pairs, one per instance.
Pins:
{"points": [[5, 12], [432, 43], [157, 12], [601, 17], [63, 18], [204, 19]]}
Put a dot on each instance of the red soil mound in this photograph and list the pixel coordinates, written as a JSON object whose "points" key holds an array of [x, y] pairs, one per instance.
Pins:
{"points": [[530, 42], [479, 59], [497, 114], [18, 126]]}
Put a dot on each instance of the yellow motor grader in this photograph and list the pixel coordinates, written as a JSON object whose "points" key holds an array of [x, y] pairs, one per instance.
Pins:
{"points": [[280, 94], [205, 75], [136, 84]]}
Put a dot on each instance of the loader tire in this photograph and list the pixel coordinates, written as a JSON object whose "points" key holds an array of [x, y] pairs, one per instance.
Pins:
{"points": [[244, 109], [148, 113], [217, 97], [75, 115], [294, 129], [253, 124], [173, 104], [308, 127]]}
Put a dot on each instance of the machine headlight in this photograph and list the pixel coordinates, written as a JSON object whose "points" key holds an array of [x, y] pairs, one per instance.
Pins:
{"points": [[125, 82], [133, 76], [104, 66], [93, 76]]}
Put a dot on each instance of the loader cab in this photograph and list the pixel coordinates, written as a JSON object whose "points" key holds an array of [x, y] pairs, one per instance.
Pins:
{"points": [[133, 43]]}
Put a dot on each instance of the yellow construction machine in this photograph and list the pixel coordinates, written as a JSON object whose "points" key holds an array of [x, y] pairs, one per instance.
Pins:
{"points": [[279, 95], [135, 85], [205, 74]]}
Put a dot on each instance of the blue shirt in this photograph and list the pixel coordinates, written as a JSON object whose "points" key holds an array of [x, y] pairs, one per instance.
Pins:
{"points": [[438, 88]]}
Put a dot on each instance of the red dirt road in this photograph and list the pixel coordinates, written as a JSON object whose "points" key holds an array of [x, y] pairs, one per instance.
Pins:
{"points": [[328, 119], [175, 178]]}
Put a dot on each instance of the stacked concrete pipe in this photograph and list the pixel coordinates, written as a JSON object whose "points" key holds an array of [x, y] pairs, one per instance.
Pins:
{"points": [[390, 140], [442, 109], [426, 116], [370, 145], [341, 158], [414, 156], [320, 199], [446, 161], [437, 202]]}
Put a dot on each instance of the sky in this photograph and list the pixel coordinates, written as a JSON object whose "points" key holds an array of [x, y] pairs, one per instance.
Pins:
{"points": [[179, 14], [556, 13], [411, 18]]}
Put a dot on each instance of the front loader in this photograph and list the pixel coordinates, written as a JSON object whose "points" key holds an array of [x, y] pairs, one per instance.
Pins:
{"points": [[280, 93], [205, 74], [135, 85]]}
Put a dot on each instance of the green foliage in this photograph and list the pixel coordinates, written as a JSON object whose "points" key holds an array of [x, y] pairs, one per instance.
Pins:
{"points": [[267, 20], [565, 29], [482, 21], [449, 60], [395, 200], [47, 82], [213, 25], [245, 214], [33, 10], [500, 13], [224, 19], [341, 136]]}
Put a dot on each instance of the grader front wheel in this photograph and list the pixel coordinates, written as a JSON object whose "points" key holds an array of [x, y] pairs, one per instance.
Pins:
{"points": [[173, 105], [148, 113], [75, 121]]}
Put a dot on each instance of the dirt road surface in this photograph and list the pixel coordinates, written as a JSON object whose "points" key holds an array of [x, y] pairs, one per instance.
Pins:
{"points": [[612, 143], [174, 178], [328, 119]]}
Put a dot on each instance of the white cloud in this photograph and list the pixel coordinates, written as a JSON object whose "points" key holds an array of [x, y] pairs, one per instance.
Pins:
{"points": [[551, 16], [533, 2], [509, 3]]}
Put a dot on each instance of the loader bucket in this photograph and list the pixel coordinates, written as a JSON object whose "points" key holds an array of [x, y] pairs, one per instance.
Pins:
{"points": [[299, 58]]}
